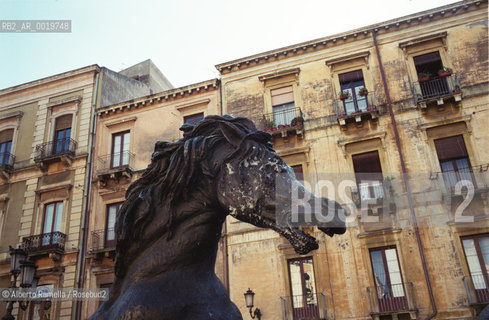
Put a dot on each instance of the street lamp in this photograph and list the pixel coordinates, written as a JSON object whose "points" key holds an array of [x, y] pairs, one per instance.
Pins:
{"points": [[27, 270], [249, 297]]}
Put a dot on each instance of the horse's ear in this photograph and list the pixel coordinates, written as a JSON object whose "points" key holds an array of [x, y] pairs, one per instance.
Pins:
{"points": [[232, 133]]}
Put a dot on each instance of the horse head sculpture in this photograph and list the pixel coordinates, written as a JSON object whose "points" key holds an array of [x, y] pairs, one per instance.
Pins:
{"points": [[170, 224]]}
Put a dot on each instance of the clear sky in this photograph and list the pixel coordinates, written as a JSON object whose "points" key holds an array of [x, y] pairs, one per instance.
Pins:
{"points": [[185, 39]]}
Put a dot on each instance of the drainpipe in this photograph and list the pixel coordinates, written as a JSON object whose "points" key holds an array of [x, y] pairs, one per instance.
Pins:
{"points": [[405, 180], [86, 212]]}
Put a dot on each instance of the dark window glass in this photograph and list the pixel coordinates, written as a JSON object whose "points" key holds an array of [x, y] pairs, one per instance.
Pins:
{"points": [[352, 82], [194, 118], [454, 160], [368, 173]]}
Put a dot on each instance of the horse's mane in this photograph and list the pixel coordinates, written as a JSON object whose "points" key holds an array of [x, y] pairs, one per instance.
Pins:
{"points": [[174, 167]]}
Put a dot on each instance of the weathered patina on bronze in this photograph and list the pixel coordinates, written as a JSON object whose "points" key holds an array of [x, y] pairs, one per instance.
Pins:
{"points": [[170, 224]]}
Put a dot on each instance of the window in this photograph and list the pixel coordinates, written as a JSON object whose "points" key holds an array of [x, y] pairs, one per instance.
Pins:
{"points": [[283, 105], [40, 310], [299, 174], [427, 68], [476, 249], [193, 118], [368, 173], [351, 83], [5, 147], [62, 134], [454, 160], [51, 225], [112, 210], [120, 149], [388, 279], [303, 289]]}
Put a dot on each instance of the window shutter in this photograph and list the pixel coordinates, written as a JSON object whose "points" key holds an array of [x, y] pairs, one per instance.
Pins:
{"points": [[450, 148], [282, 96], [348, 77], [367, 166], [427, 58], [63, 122], [6, 135]]}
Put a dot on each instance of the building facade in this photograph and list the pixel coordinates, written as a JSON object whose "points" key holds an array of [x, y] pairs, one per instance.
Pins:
{"points": [[398, 112], [126, 137], [46, 132]]}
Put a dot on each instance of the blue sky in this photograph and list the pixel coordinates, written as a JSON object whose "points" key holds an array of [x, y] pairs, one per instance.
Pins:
{"points": [[185, 39]]}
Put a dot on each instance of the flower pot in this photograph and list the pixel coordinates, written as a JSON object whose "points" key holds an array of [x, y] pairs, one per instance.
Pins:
{"points": [[287, 126], [424, 79], [363, 93], [281, 126], [444, 74], [269, 129], [298, 124], [344, 97], [274, 129]]}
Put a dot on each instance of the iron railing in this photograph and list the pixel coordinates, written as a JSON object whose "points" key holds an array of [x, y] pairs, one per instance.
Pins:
{"points": [[101, 242], [304, 307], [7, 160], [435, 88], [477, 288], [285, 118], [356, 106], [46, 242], [55, 148], [391, 298], [115, 162], [475, 177]]}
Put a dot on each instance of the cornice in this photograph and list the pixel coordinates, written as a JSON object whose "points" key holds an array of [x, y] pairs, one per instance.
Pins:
{"points": [[172, 94], [57, 77], [356, 34]]}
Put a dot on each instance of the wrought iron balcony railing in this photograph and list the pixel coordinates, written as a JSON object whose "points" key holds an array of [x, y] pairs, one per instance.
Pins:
{"points": [[7, 160], [477, 288], [284, 119], [54, 149], [391, 298], [304, 307], [103, 240], [115, 162], [437, 88], [356, 108], [458, 181], [45, 243]]}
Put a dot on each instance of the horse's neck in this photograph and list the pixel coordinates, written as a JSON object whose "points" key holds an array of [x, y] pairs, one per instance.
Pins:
{"points": [[192, 244]]}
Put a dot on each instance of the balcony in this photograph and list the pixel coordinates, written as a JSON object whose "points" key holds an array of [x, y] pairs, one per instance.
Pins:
{"points": [[53, 242], [52, 151], [477, 289], [101, 246], [115, 166], [392, 299], [353, 110], [304, 307], [6, 164], [285, 122], [437, 89], [456, 183]]}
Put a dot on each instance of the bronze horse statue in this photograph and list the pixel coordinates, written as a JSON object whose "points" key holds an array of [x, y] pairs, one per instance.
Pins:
{"points": [[170, 224]]}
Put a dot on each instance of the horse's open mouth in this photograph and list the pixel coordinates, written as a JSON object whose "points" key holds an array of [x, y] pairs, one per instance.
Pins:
{"points": [[301, 241]]}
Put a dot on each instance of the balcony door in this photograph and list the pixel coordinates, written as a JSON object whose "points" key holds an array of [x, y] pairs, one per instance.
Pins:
{"points": [[5, 146], [428, 65], [476, 249], [303, 289], [120, 149], [388, 279], [112, 210], [368, 173], [454, 161], [352, 82], [62, 134], [53, 214], [283, 106]]}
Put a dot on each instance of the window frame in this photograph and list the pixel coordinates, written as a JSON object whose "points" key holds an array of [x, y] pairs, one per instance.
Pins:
{"points": [[480, 258], [110, 243], [303, 284], [120, 154], [193, 117], [371, 183]]}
